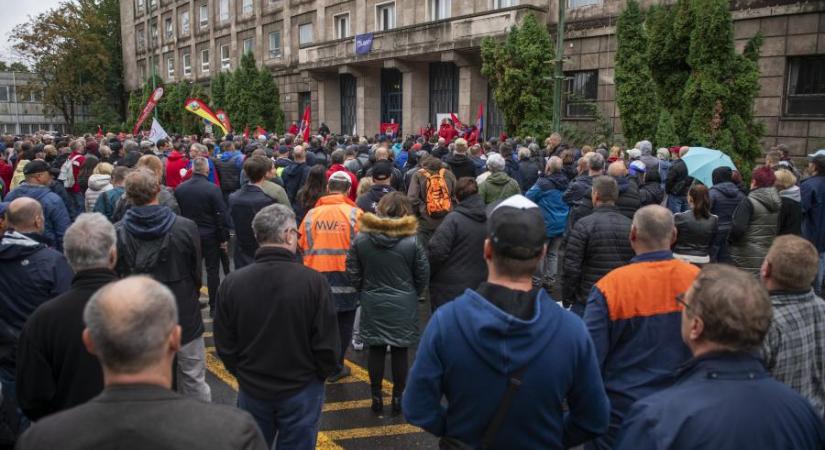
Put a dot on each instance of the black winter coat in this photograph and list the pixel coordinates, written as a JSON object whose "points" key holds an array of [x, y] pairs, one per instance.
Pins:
{"points": [[243, 205], [389, 268], [461, 165], [678, 182], [201, 201], [724, 198], [530, 172], [294, 176], [596, 245], [456, 252], [369, 200], [790, 213], [695, 237], [628, 203]]}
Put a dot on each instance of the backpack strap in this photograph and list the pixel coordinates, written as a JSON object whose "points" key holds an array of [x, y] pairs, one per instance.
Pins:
{"points": [[513, 385]]}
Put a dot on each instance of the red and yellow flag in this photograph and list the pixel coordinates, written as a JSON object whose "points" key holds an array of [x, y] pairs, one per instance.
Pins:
{"points": [[199, 108]]}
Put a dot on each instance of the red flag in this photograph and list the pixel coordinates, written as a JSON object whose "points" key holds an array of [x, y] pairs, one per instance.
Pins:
{"points": [[259, 131], [305, 123], [456, 123], [224, 118], [99, 132], [246, 133], [150, 105]]}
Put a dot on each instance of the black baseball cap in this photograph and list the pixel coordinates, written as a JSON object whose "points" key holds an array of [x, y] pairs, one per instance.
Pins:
{"points": [[382, 170], [516, 228], [36, 166]]}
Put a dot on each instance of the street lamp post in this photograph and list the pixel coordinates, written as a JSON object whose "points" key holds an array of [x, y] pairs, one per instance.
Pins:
{"points": [[559, 70]]}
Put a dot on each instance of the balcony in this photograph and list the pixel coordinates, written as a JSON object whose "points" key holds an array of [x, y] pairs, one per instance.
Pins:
{"points": [[456, 33]]}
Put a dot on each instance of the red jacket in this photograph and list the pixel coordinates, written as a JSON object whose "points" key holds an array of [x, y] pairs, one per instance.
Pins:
{"points": [[77, 160], [6, 173], [293, 129], [353, 189], [447, 132], [174, 163]]}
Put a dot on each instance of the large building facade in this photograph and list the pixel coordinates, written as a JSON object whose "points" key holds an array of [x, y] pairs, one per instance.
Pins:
{"points": [[359, 63], [26, 114]]}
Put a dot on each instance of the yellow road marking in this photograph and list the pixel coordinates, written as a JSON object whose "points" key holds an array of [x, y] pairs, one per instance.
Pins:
{"points": [[358, 433], [205, 290], [207, 334], [340, 406], [359, 373]]}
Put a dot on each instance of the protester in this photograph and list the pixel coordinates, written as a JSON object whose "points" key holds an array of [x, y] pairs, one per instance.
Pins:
{"points": [[295, 175], [651, 191], [498, 186], [389, 268], [202, 202], [54, 370], [153, 240], [327, 233], [547, 193], [165, 195], [175, 166], [70, 172], [459, 162], [725, 197], [107, 200], [55, 215], [284, 389], [381, 176], [696, 228], [337, 158], [596, 245], [590, 167], [431, 192], [314, 187], [628, 201], [244, 204], [99, 182], [790, 212], [554, 398], [678, 183], [397, 177], [229, 166], [795, 344], [633, 320], [755, 222], [723, 397], [529, 168], [131, 326], [813, 211]]}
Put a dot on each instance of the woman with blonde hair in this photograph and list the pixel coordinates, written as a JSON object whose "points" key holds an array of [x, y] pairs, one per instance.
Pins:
{"points": [[99, 182], [790, 213]]}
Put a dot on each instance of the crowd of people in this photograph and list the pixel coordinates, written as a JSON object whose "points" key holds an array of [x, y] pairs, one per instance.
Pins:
{"points": [[569, 296]]}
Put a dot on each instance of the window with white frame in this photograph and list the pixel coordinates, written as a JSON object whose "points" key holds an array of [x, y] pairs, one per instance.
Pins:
{"points": [[440, 9], [153, 4], [184, 23], [141, 39], [187, 64], [223, 10], [247, 7], [153, 32], [167, 26], [140, 5], [341, 26], [385, 16], [305, 33], [225, 62], [506, 3], [4, 94], [572, 4], [248, 46], [203, 15], [275, 44], [170, 67], [205, 60]]}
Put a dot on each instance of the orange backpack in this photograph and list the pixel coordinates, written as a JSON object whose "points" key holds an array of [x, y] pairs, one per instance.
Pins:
{"points": [[438, 195]]}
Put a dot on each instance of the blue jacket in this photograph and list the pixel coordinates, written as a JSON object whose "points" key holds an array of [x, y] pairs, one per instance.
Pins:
{"points": [[723, 400], [470, 346], [724, 198], [635, 323], [547, 194], [30, 274], [813, 211], [54, 210], [294, 176]]}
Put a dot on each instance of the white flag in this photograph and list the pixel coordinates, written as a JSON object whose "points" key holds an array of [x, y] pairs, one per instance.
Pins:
{"points": [[157, 133], [354, 128]]}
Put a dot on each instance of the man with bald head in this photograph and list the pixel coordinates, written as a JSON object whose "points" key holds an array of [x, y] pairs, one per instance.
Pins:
{"points": [[628, 201], [55, 212], [30, 274], [633, 318], [295, 175], [132, 328]]}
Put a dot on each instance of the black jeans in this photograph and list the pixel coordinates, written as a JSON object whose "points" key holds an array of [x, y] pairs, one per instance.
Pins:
{"points": [[375, 366], [346, 320], [211, 250]]}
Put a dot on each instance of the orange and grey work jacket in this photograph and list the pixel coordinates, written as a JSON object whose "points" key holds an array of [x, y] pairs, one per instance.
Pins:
{"points": [[326, 235]]}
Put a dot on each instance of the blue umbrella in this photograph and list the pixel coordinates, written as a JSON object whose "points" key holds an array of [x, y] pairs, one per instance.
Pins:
{"points": [[701, 162]]}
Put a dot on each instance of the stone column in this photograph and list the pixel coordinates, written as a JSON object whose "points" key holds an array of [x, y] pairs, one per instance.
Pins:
{"points": [[368, 93], [472, 90], [415, 88]]}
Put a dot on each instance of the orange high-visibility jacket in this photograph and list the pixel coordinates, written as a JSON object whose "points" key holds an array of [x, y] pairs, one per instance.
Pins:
{"points": [[327, 232]]}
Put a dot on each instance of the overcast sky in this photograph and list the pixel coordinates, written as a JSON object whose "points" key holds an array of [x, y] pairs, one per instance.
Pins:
{"points": [[13, 12]]}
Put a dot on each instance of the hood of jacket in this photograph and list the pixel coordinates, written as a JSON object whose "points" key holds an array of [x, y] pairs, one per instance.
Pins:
{"points": [[624, 184], [793, 193], [473, 208], [34, 191], [499, 178], [15, 245], [148, 222], [503, 341], [174, 155], [99, 181], [727, 188], [768, 197], [458, 159], [228, 156], [292, 169], [387, 231], [557, 180]]}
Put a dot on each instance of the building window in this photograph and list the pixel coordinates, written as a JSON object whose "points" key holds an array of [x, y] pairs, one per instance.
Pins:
{"points": [[204, 15], [153, 4], [205, 61], [385, 16], [342, 26], [506, 3], [225, 64], [572, 4], [167, 25], [247, 46], [153, 32], [184, 23], [223, 10], [187, 64], [275, 44], [440, 9], [806, 86], [305, 34], [170, 67], [247, 7], [581, 91], [141, 40], [4, 93], [34, 97], [140, 5]]}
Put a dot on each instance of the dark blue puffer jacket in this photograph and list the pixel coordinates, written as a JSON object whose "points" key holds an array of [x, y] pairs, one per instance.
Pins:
{"points": [[54, 210], [724, 198]]}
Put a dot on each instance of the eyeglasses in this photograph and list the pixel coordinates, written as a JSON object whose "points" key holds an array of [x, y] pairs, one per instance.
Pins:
{"points": [[680, 298]]}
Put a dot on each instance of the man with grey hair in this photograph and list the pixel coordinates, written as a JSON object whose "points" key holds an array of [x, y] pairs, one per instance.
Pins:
{"points": [[498, 185], [628, 202], [54, 370], [131, 326], [633, 319], [581, 184], [199, 150], [284, 389], [647, 157], [153, 240], [724, 319]]}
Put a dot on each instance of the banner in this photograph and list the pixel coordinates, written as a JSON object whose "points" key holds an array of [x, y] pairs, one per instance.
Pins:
{"points": [[157, 132], [200, 109], [388, 128], [224, 118], [363, 43], [150, 105]]}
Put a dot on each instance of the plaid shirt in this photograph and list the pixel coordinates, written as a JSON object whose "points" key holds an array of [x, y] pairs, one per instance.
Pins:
{"points": [[794, 348]]}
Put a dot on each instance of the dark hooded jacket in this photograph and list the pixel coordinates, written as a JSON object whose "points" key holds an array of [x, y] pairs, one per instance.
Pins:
{"points": [[229, 167], [530, 172], [294, 176], [724, 198], [755, 225], [461, 165], [628, 203], [30, 274], [152, 240], [368, 201], [456, 251], [55, 213], [651, 192], [389, 268], [790, 215]]}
